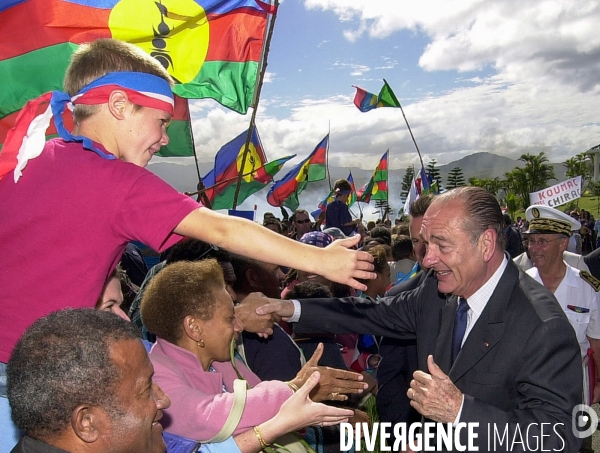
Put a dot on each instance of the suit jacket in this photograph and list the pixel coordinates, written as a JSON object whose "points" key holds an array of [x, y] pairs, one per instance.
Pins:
{"points": [[398, 363], [520, 363], [513, 242]]}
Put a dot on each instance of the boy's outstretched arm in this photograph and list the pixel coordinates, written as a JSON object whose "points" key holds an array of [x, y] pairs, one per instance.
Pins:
{"points": [[335, 262]]}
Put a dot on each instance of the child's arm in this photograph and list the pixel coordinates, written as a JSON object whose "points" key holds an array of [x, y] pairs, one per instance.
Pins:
{"points": [[336, 262]]}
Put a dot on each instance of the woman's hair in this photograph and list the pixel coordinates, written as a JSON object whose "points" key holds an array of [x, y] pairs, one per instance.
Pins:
{"points": [[178, 290]]}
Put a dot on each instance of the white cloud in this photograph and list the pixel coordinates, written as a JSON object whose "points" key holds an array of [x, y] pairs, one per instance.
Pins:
{"points": [[558, 38], [543, 94]]}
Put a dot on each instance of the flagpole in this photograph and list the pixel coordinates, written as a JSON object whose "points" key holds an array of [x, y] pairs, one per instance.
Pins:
{"points": [[327, 157], [257, 90], [226, 181], [407, 125], [200, 186]]}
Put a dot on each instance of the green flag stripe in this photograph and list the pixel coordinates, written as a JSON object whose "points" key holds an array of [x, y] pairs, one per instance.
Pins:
{"points": [[225, 199], [316, 172], [387, 97], [221, 81], [30, 75], [380, 175], [180, 143]]}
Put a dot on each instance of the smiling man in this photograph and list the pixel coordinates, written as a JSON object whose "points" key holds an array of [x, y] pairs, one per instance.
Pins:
{"points": [[80, 380], [576, 291], [497, 351]]}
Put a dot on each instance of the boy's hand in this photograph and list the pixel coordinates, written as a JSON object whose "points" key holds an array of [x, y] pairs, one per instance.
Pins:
{"points": [[345, 266]]}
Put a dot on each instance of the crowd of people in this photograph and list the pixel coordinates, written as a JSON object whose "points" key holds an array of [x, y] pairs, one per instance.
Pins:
{"points": [[249, 336]]}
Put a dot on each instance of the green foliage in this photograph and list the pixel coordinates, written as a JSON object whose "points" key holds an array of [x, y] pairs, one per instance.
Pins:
{"points": [[455, 178], [491, 185], [433, 171], [409, 175], [532, 177], [511, 204], [580, 165], [370, 408]]}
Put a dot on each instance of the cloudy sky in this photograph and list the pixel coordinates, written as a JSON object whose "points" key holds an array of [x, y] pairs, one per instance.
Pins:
{"points": [[503, 76]]}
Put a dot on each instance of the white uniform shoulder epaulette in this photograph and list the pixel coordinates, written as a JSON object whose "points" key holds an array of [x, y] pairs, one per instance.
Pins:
{"points": [[589, 278]]}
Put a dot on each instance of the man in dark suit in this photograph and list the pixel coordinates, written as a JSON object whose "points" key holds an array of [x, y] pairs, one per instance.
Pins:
{"points": [[516, 366], [399, 356], [513, 244]]}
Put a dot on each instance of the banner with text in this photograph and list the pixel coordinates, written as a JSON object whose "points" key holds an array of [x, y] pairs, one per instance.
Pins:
{"points": [[558, 194]]}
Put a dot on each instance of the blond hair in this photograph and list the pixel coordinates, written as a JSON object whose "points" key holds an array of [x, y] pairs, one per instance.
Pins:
{"points": [[98, 58]]}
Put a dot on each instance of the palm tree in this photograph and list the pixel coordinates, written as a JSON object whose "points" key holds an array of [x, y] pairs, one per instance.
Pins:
{"points": [[538, 171], [579, 166], [532, 177]]}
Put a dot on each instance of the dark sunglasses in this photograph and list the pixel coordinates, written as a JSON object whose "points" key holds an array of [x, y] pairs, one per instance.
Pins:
{"points": [[303, 221]]}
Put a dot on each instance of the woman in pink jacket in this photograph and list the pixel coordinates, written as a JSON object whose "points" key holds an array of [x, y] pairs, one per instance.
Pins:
{"points": [[188, 308]]}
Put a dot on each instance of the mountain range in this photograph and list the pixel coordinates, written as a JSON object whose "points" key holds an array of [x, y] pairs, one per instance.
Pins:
{"points": [[182, 174]]}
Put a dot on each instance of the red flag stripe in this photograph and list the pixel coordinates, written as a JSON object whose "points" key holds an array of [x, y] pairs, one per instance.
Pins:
{"points": [[51, 22]]}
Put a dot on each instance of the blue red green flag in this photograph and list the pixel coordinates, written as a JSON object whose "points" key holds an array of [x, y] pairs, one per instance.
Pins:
{"points": [[423, 182], [376, 188], [228, 163], [251, 183], [366, 101], [285, 191], [212, 48]]}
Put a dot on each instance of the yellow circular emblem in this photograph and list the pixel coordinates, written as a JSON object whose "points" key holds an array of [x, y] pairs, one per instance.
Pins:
{"points": [[303, 173], [536, 213], [251, 164], [375, 189], [175, 32]]}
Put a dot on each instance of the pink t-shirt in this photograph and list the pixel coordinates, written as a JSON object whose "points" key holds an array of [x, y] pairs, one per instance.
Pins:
{"points": [[64, 226]]}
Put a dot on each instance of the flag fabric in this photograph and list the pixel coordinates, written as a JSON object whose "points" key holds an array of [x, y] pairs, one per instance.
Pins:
{"points": [[366, 101], [285, 191], [422, 182], [352, 198], [322, 207], [412, 196], [250, 184], [179, 132], [376, 188], [364, 193], [212, 48], [228, 163]]}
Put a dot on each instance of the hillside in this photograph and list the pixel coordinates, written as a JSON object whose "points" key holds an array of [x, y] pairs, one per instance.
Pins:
{"points": [[182, 174]]}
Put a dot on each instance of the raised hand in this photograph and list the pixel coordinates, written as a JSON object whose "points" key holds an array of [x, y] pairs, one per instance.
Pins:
{"points": [[434, 395]]}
